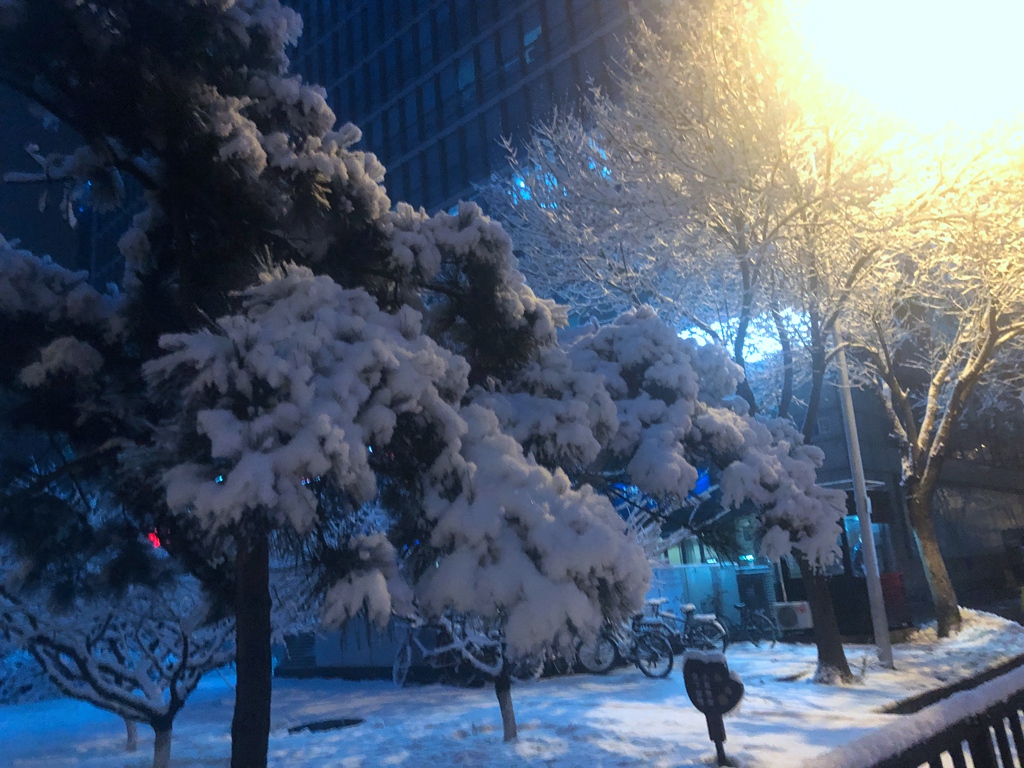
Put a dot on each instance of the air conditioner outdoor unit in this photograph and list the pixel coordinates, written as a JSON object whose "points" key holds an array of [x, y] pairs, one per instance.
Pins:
{"points": [[793, 616]]}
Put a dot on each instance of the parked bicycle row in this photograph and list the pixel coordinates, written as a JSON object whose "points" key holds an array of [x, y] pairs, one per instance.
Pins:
{"points": [[461, 650]]}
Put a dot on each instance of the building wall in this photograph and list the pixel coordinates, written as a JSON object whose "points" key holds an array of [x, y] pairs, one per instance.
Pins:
{"points": [[436, 84], [979, 507], [981, 533]]}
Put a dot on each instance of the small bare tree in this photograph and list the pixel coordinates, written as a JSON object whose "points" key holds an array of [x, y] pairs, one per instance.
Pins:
{"points": [[139, 657]]}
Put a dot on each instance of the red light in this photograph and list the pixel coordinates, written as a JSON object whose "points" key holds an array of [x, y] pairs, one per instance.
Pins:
{"points": [[153, 539]]}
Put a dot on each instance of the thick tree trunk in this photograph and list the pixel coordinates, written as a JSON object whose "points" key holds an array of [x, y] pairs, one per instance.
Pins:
{"points": [[161, 746], [250, 726], [132, 730], [947, 610], [503, 690], [832, 664], [743, 390]]}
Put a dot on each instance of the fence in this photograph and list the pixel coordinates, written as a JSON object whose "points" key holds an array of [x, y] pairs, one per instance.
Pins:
{"points": [[980, 728]]}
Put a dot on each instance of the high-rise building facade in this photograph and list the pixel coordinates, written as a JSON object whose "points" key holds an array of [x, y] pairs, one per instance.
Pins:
{"points": [[436, 84]]}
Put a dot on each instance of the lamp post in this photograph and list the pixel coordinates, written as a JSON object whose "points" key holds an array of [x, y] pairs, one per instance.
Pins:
{"points": [[879, 621]]}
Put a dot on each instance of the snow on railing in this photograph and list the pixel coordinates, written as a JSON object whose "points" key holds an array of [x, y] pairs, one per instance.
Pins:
{"points": [[974, 716]]}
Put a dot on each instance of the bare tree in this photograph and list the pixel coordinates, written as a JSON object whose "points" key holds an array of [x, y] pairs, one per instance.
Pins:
{"points": [[715, 187], [725, 186], [944, 316], [140, 657]]}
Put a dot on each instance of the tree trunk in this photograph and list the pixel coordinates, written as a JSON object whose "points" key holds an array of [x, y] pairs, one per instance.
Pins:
{"points": [[832, 664], [250, 726], [786, 396], [503, 690], [161, 746], [947, 610], [132, 730]]}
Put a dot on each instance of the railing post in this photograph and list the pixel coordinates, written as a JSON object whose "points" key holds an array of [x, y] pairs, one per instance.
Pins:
{"points": [[1017, 732], [982, 753], [1005, 755]]}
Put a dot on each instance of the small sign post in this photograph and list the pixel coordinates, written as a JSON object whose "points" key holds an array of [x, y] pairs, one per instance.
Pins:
{"points": [[715, 691]]}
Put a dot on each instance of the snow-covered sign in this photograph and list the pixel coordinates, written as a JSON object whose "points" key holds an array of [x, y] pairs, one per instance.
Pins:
{"points": [[715, 691]]}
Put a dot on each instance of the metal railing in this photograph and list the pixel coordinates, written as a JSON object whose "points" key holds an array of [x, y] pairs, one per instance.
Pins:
{"points": [[983, 728], [992, 739]]}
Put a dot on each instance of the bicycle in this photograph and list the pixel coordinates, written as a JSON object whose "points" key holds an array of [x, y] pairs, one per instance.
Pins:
{"points": [[531, 667], [699, 631], [459, 655], [754, 626], [649, 648]]}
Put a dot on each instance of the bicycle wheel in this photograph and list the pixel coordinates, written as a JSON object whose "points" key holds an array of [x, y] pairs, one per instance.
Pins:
{"points": [[707, 636], [761, 628], [560, 664], [527, 669], [403, 663], [654, 654], [599, 656], [461, 676]]}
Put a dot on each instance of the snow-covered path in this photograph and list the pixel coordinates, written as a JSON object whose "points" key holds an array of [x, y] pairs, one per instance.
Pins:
{"points": [[583, 721]]}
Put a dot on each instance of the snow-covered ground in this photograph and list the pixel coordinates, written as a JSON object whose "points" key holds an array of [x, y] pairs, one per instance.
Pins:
{"points": [[622, 719]]}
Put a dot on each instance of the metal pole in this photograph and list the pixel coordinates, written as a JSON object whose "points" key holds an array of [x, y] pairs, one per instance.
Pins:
{"points": [[879, 621]]}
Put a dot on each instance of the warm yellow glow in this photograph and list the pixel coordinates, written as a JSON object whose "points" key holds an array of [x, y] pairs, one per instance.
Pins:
{"points": [[930, 62]]}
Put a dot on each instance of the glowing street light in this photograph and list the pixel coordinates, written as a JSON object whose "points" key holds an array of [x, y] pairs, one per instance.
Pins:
{"points": [[929, 62]]}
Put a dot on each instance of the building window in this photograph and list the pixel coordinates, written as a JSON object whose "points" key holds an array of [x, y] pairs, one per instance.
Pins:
{"points": [[389, 62], [488, 56], [476, 156], [511, 47], [412, 120], [443, 28], [321, 19], [433, 173], [540, 96], [407, 57], [396, 136], [414, 192], [485, 14], [493, 129], [322, 76], [467, 82], [516, 112], [362, 39], [530, 45], [449, 88], [350, 48], [531, 35], [463, 22], [455, 174], [428, 95], [426, 44]]}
